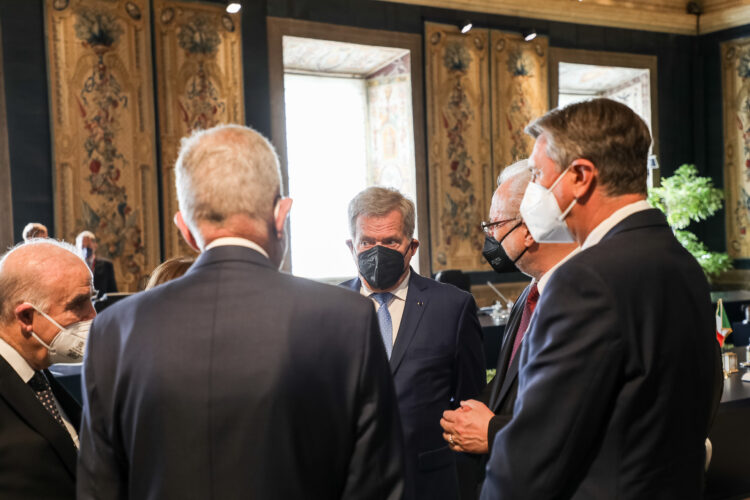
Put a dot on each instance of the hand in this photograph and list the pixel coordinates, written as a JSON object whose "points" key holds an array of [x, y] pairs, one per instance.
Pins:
{"points": [[468, 426]]}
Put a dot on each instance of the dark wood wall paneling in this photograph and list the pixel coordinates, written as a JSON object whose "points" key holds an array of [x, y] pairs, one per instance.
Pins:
{"points": [[26, 98], [682, 136]]}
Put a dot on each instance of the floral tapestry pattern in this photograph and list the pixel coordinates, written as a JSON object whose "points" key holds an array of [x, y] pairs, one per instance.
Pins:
{"points": [[459, 144], [519, 87], [199, 77], [735, 56], [103, 129]]}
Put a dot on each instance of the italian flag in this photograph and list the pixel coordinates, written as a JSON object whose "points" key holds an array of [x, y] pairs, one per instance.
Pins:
{"points": [[723, 327]]}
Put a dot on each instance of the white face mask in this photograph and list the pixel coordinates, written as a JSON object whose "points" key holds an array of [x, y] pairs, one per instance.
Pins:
{"points": [[541, 213], [69, 344]]}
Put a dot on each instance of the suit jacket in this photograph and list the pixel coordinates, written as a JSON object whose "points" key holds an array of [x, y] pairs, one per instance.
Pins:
{"points": [[37, 455], [620, 376], [238, 381], [104, 276], [437, 361], [500, 393]]}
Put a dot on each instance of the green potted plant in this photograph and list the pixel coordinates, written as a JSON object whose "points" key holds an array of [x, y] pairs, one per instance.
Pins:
{"points": [[686, 197]]}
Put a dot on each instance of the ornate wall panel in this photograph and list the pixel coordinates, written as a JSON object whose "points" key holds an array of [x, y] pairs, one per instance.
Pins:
{"points": [[735, 57], [519, 94], [103, 129], [199, 76], [459, 152]]}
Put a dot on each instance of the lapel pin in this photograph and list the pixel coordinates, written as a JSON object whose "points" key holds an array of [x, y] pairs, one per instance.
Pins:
{"points": [[420, 303]]}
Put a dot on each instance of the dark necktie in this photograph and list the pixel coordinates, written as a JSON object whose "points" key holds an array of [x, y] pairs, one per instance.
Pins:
{"points": [[528, 310], [384, 319], [43, 391]]}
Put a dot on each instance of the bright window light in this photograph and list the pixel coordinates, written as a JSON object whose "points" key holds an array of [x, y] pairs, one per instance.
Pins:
{"points": [[233, 7], [326, 121]]}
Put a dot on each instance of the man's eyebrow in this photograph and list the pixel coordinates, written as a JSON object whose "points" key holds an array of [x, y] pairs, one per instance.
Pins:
{"points": [[78, 300]]}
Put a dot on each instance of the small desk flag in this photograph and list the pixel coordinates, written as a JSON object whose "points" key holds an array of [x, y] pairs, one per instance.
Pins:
{"points": [[723, 327]]}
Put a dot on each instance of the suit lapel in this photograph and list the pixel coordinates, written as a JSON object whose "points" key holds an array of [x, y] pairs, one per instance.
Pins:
{"points": [[416, 303], [505, 377], [69, 405], [23, 400]]}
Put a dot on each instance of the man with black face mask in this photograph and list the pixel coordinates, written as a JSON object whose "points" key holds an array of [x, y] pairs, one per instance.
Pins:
{"points": [[430, 332], [508, 246], [103, 270]]}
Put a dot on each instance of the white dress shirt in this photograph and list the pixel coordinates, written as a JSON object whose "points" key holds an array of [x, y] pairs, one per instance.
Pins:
{"points": [[617, 216], [241, 242], [395, 305], [25, 371]]}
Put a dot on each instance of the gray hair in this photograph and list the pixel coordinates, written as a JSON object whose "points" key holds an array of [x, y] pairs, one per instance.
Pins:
{"points": [[33, 230], [82, 235], [226, 170], [378, 202], [517, 176], [607, 133], [19, 285]]}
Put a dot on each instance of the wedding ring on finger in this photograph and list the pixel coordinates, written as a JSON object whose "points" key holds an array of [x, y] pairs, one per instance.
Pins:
{"points": [[450, 440]]}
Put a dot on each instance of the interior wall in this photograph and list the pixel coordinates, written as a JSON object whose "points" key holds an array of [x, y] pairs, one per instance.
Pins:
{"points": [[681, 135]]}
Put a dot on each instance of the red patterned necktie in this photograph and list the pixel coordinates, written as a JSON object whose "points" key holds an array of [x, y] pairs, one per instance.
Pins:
{"points": [[528, 310]]}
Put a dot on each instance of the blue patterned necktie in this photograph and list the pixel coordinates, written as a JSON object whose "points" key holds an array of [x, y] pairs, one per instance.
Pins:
{"points": [[43, 393], [384, 318]]}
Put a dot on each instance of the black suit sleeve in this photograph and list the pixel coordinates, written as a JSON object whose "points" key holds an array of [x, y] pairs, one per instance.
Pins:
{"points": [[376, 468], [539, 454], [496, 424], [100, 474], [470, 373]]}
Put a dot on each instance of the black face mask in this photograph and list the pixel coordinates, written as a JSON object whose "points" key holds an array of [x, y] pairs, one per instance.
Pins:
{"points": [[87, 253], [381, 266], [495, 254]]}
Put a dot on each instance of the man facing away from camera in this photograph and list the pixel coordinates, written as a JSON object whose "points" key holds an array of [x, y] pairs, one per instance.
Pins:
{"points": [[235, 380]]}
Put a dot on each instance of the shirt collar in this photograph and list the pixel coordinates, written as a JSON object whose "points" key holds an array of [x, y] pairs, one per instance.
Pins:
{"points": [[399, 292], [16, 361], [615, 218], [231, 240]]}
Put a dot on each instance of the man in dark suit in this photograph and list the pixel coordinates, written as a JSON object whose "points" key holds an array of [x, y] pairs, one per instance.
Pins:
{"points": [[430, 331], [103, 270], [472, 427], [235, 380], [620, 373], [45, 310]]}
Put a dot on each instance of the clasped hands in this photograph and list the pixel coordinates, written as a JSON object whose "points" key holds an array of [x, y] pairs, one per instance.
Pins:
{"points": [[465, 428]]}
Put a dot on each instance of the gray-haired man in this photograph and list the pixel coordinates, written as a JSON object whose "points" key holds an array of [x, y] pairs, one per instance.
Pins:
{"points": [[430, 332], [235, 380]]}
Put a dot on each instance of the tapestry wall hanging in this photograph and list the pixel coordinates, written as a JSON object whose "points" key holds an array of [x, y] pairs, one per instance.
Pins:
{"points": [[101, 98], [519, 94], [199, 82], [735, 57], [458, 138], [483, 88]]}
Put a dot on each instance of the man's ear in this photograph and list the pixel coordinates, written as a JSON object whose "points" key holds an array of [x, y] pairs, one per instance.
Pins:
{"points": [[280, 213], [350, 245], [24, 313], [185, 231], [414, 245], [528, 240], [584, 177]]}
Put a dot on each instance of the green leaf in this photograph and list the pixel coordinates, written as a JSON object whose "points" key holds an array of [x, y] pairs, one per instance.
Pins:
{"points": [[686, 197]]}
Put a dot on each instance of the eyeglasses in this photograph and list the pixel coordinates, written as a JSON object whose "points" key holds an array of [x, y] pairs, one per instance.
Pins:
{"points": [[487, 225]]}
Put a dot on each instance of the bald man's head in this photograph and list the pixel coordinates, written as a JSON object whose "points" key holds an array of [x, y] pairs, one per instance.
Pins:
{"points": [[37, 272]]}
